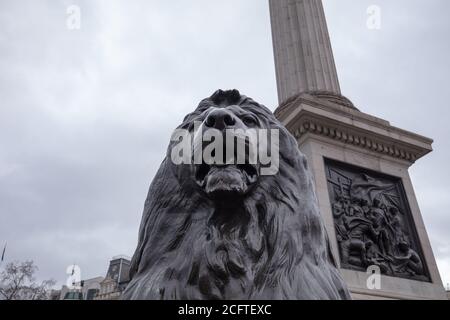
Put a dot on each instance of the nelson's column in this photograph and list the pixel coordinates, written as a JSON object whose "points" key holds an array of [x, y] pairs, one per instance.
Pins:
{"points": [[360, 164]]}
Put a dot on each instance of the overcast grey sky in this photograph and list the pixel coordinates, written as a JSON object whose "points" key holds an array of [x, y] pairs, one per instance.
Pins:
{"points": [[86, 115]]}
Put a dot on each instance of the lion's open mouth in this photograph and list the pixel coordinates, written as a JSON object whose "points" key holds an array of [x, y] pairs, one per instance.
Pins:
{"points": [[231, 175], [226, 179], [250, 171]]}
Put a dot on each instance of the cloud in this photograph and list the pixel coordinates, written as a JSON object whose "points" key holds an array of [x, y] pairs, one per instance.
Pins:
{"points": [[86, 115]]}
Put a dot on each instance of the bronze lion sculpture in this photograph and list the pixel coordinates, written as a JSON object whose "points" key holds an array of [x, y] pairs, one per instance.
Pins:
{"points": [[228, 232]]}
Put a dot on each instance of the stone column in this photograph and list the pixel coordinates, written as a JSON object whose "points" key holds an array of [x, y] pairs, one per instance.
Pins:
{"points": [[303, 55]]}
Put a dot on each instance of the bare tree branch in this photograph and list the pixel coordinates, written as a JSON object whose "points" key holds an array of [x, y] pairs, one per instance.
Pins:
{"points": [[17, 282]]}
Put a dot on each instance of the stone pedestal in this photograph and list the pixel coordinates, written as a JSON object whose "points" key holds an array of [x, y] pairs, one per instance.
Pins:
{"points": [[346, 147]]}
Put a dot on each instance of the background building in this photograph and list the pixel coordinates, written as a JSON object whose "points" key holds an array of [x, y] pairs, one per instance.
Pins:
{"points": [[89, 290], [109, 287], [116, 279]]}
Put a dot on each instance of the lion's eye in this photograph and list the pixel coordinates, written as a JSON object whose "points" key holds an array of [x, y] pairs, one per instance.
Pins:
{"points": [[250, 120]]}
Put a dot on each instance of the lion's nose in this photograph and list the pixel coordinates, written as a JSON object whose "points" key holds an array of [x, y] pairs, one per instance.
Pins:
{"points": [[220, 119]]}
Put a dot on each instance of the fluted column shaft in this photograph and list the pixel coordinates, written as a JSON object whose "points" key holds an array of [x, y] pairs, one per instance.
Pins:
{"points": [[303, 55]]}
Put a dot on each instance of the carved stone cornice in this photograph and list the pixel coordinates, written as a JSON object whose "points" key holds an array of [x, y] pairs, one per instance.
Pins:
{"points": [[309, 114], [322, 95]]}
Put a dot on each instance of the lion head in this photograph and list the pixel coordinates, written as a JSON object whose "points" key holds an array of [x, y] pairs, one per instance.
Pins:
{"points": [[233, 228]]}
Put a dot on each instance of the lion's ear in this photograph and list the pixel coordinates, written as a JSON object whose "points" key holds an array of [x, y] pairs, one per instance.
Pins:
{"points": [[228, 97]]}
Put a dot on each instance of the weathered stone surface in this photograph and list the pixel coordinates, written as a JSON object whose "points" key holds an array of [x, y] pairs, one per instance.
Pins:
{"points": [[328, 126], [303, 54], [318, 144]]}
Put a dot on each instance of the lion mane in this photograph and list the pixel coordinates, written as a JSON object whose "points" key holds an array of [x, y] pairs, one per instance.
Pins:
{"points": [[270, 245]]}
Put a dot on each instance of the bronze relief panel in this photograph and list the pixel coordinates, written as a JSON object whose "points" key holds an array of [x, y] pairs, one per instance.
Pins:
{"points": [[373, 222]]}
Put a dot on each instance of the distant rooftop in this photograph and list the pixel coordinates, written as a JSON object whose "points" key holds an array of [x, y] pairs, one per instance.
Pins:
{"points": [[121, 256]]}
